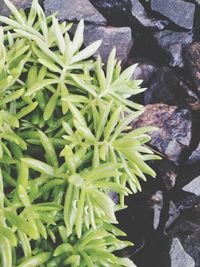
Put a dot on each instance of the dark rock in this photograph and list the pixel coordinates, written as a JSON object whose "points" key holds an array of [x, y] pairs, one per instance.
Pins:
{"points": [[18, 3], [144, 71], [193, 187], [111, 37], [74, 10], [190, 202], [179, 258], [174, 213], [178, 11], [164, 88], [173, 44], [175, 129], [138, 11], [195, 156], [166, 172], [116, 11], [192, 58], [157, 201], [187, 229]]}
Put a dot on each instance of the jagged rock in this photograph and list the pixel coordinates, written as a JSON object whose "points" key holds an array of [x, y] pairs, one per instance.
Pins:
{"points": [[174, 213], [179, 258], [157, 201], [178, 11], [195, 156], [173, 43], [193, 187], [115, 10], [187, 230], [166, 172], [138, 11], [120, 38], [192, 58], [175, 129], [165, 88], [74, 10], [18, 3], [144, 71]]}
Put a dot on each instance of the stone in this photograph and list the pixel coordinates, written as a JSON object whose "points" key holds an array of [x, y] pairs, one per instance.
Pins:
{"points": [[74, 10], [192, 58], [144, 71], [178, 11], [175, 129], [116, 11], [139, 13], [195, 156], [18, 3], [193, 187], [119, 37], [164, 88], [179, 258], [187, 230], [157, 199], [173, 43], [174, 213]]}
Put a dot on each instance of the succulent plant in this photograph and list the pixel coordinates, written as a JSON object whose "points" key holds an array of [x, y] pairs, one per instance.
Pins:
{"points": [[65, 143]]}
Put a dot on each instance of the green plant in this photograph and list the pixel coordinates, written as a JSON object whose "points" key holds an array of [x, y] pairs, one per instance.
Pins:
{"points": [[64, 145]]}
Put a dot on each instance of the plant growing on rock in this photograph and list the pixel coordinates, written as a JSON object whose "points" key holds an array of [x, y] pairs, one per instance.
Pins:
{"points": [[64, 145]]}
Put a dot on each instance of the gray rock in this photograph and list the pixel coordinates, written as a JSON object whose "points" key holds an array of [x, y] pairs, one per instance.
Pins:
{"points": [[178, 11], [179, 258], [173, 43], [18, 3], [157, 199], [192, 58], [193, 187], [138, 11], [195, 156], [165, 88], [175, 129], [174, 213], [144, 71], [120, 38], [74, 10]]}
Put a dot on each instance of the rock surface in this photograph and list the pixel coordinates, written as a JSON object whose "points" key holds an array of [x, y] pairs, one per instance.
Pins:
{"points": [[144, 71], [173, 44], [192, 57], [195, 156], [164, 88], [175, 129], [74, 10], [120, 38], [178, 11], [193, 187], [18, 3], [179, 258], [138, 11]]}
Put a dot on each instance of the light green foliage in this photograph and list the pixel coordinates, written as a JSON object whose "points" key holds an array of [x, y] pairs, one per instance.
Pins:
{"points": [[64, 145]]}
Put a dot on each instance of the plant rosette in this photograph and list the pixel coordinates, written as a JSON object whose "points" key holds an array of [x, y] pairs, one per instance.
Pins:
{"points": [[64, 145]]}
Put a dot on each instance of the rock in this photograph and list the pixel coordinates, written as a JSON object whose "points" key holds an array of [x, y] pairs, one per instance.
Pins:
{"points": [[175, 129], [173, 43], [166, 172], [138, 11], [179, 258], [178, 11], [18, 3], [190, 202], [192, 58], [174, 213], [193, 187], [195, 156], [115, 11], [74, 10], [144, 71], [187, 230], [157, 200], [164, 88], [120, 38]]}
